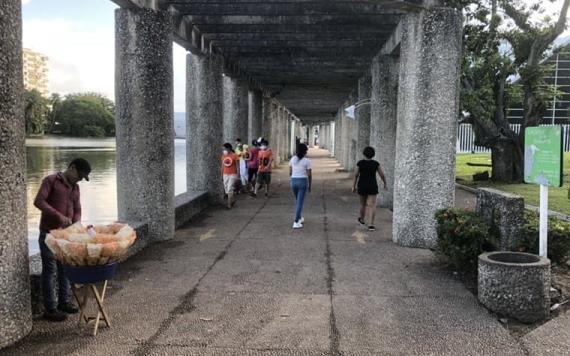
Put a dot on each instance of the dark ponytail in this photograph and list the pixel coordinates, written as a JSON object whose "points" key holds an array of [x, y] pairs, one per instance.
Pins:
{"points": [[301, 150]]}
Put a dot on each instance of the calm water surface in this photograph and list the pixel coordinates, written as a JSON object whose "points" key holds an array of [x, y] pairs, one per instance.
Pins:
{"points": [[48, 155]]}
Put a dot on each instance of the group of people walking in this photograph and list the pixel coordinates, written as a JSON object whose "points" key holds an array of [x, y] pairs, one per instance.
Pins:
{"points": [[247, 169]]}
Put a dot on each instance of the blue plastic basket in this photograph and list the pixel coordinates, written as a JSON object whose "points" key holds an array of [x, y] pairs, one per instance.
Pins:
{"points": [[89, 274]]}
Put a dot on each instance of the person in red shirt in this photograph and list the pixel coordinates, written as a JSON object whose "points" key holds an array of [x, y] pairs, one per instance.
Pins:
{"points": [[252, 166], [230, 172], [265, 160], [58, 200]]}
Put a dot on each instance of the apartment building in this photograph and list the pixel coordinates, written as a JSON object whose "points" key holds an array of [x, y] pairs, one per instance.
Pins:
{"points": [[36, 72]]}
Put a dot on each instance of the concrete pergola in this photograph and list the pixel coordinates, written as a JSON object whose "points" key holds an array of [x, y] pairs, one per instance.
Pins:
{"points": [[255, 68]]}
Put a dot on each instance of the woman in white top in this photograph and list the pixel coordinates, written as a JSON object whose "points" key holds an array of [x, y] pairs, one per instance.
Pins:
{"points": [[301, 180]]}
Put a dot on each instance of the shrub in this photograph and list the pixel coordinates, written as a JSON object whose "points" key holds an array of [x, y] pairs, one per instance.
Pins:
{"points": [[462, 236], [558, 237]]}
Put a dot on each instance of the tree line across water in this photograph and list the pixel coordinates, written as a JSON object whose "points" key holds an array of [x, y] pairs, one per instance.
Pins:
{"points": [[79, 115]]}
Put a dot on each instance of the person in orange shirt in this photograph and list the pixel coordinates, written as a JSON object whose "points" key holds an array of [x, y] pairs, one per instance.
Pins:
{"points": [[230, 173], [265, 159]]}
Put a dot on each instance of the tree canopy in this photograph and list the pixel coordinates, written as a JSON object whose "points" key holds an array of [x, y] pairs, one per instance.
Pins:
{"points": [[35, 112], [86, 114]]}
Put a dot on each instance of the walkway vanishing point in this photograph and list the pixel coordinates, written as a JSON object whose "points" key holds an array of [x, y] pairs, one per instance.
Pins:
{"points": [[242, 282]]}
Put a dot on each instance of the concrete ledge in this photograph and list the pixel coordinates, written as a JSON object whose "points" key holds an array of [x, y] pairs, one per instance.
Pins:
{"points": [[187, 205]]}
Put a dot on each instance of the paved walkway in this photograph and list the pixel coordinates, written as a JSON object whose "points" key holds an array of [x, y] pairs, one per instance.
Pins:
{"points": [[242, 282]]}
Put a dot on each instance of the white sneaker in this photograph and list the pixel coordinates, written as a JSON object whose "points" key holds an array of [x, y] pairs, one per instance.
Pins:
{"points": [[302, 220], [297, 225]]}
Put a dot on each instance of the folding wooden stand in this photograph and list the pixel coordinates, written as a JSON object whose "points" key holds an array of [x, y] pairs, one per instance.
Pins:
{"points": [[89, 291]]}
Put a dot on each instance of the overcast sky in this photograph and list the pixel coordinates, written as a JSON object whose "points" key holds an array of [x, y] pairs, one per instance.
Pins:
{"points": [[78, 38]]}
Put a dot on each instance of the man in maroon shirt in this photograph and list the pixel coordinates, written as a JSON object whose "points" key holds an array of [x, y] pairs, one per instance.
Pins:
{"points": [[58, 199]]}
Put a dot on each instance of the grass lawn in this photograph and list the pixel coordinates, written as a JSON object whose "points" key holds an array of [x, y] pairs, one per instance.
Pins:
{"points": [[557, 197]]}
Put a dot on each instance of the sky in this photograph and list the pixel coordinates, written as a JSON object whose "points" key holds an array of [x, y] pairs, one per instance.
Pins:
{"points": [[78, 37]]}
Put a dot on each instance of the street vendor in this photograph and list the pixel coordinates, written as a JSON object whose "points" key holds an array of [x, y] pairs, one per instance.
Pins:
{"points": [[58, 200]]}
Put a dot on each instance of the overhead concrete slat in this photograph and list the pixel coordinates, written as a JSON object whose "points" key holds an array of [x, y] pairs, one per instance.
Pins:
{"points": [[310, 20], [287, 36], [308, 54], [338, 28], [289, 8]]}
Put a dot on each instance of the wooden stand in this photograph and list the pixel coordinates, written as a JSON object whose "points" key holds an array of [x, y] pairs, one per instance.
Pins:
{"points": [[89, 291]]}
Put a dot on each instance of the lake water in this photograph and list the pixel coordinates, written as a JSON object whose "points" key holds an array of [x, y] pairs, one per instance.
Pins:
{"points": [[50, 154]]}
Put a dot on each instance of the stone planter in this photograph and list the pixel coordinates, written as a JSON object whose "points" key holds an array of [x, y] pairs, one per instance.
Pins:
{"points": [[515, 284]]}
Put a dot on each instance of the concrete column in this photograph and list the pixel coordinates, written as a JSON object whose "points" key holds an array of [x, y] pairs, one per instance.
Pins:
{"points": [[145, 119], [15, 308], [267, 119], [428, 106], [338, 149], [255, 115], [283, 135], [362, 114], [353, 157], [311, 136], [235, 109], [290, 136], [274, 128], [287, 135], [294, 132], [275, 134], [329, 137], [383, 120], [333, 138], [346, 140], [204, 127]]}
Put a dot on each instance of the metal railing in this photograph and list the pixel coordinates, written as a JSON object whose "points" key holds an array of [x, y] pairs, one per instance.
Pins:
{"points": [[466, 139]]}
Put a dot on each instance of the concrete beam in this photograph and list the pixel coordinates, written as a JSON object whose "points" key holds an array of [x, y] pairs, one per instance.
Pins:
{"points": [[329, 20], [291, 8], [330, 28], [285, 36], [334, 43]]}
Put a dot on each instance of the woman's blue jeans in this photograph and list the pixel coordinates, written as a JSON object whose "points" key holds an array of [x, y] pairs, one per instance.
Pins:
{"points": [[299, 186]]}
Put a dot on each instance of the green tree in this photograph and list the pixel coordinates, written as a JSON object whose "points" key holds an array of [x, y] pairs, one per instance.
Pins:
{"points": [[86, 114], [35, 112], [55, 106], [486, 88]]}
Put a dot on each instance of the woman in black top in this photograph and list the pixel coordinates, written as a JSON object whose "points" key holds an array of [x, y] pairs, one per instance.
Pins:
{"points": [[367, 187]]}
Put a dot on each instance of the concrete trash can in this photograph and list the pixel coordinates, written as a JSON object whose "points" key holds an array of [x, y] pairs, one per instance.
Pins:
{"points": [[515, 285]]}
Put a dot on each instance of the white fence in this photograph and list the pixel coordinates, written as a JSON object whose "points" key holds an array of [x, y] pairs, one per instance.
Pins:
{"points": [[466, 139]]}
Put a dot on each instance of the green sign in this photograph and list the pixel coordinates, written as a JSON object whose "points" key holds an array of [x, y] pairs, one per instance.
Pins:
{"points": [[543, 155]]}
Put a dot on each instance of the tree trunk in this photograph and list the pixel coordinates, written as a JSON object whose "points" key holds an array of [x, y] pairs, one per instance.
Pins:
{"points": [[504, 160]]}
